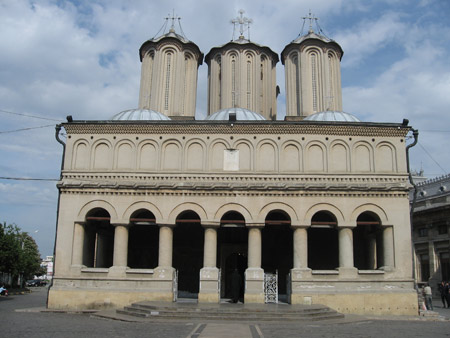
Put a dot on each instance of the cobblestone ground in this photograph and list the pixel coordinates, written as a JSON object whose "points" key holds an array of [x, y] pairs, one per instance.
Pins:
{"points": [[62, 325]]}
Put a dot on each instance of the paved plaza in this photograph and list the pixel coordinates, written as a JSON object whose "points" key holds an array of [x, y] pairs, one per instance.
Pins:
{"points": [[22, 316]]}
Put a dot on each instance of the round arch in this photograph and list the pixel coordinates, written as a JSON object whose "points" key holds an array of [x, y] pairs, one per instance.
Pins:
{"points": [[277, 206], [233, 207], [98, 204], [324, 207], [201, 212], [382, 215], [143, 205]]}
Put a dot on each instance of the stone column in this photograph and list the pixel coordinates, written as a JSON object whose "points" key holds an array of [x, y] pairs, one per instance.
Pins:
{"points": [[120, 245], [346, 262], [388, 248], [372, 253], [120, 256], [300, 247], [164, 273], [300, 268], [254, 248], [254, 275], [209, 274], [78, 244], [165, 246]]}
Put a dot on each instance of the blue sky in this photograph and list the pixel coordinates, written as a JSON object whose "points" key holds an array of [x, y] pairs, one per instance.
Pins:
{"points": [[80, 58]]}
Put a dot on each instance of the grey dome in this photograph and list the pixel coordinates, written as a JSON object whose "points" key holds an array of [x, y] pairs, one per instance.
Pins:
{"points": [[242, 114], [140, 115], [332, 116]]}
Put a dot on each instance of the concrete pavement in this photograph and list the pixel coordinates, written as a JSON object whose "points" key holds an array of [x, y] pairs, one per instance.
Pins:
{"points": [[21, 317]]}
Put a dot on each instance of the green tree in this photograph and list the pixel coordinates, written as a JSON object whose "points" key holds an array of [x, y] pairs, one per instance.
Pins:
{"points": [[19, 253], [29, 259]]}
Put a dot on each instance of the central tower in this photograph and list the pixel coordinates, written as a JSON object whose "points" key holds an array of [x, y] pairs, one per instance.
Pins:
{"points": [[241, 74]]}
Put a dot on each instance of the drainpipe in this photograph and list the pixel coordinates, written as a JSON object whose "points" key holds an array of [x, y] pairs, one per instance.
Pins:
{"points": [[411, 211], [57, 131]]}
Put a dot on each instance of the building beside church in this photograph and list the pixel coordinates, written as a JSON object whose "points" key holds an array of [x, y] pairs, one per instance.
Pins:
{"points": [[431, 237], [156, 205]]}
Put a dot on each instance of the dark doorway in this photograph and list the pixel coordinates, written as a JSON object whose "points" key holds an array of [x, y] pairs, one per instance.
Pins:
{"points": [[143, 241], [188, 239], [277, 247], [98, 245], [368, 242], [323, 242], [232, 243]]}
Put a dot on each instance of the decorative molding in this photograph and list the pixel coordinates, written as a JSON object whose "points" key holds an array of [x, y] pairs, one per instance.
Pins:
{"points": [[271, 128]]}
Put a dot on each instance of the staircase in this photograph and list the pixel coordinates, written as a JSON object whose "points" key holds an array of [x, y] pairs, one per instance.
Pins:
{"points": [[225, 311]]}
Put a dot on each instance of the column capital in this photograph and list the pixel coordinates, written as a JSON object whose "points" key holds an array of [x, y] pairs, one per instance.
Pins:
{"points": [[300, 226], [387, 225], [126, 225], [211, 225], [255, 225], [346, 226], [166, 225]]}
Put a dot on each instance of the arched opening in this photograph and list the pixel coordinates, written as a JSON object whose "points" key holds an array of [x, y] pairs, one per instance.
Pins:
{"points": [[277, 247], [232, 244], [368, 242], [188, 240], [98, 245], [323, 242], [143, 240]]}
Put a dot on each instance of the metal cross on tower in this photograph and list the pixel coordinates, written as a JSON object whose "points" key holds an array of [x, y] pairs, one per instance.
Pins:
{"points": [[241, 20], [173, 18], [311, 18]]}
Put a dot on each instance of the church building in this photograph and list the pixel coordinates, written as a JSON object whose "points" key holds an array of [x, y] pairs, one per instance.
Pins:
{"points": [[155, 204]]}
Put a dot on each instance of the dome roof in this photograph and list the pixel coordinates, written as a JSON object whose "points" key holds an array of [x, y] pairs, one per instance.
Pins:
{"points": [[332, 116], [139, 115], [242, 114]]}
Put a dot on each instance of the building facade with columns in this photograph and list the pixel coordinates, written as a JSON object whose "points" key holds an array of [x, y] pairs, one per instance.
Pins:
{"points": [[431, 221], [155, 205]]}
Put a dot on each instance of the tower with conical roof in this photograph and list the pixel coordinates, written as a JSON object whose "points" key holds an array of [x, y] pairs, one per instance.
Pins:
{"points": [[241, 74], [169, 74], [313, 74]]}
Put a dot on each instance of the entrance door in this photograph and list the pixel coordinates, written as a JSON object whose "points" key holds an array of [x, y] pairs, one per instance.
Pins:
{"points": [[188, 239], [232, 246]]}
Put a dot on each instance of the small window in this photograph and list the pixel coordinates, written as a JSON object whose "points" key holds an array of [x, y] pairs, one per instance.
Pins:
{"points": [[442, 229], [423, 232]]}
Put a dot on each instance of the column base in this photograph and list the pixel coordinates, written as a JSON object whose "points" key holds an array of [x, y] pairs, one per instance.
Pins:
{"points": [[209, 285], [301, 273], [254, 286], [117, 271], [348, 272]]}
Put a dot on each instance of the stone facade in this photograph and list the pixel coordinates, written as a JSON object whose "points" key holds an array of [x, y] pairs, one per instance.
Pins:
{"points": [[155, 210], [431, 221]]}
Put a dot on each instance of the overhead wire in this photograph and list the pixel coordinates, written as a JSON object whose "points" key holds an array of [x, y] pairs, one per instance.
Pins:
{"points": [[23, 129], [27, 115], [426, 152]]}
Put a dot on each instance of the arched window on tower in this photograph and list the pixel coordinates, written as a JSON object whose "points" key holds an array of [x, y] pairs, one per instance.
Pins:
{"points": [[233, 81], [332, 74], [314, 81], [249, 81], [297, 84], [169, 57]]}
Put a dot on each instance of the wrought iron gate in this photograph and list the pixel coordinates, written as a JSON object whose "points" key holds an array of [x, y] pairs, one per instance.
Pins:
{"points": [[271, 287], [175, 286]]}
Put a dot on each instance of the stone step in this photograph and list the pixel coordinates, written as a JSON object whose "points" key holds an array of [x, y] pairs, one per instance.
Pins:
{"points": [[240, 312]]}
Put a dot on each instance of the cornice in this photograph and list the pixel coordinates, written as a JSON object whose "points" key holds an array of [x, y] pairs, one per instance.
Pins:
{"points": [[261, 183], [201, 127]]}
